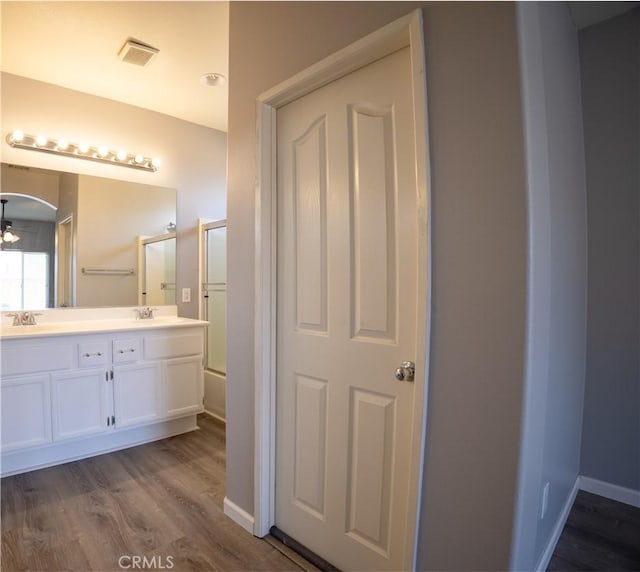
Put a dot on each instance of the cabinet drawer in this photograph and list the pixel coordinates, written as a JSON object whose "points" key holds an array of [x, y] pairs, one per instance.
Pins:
{"points": [[92, 354], [34, 359], [126, 350], [177, 345]]}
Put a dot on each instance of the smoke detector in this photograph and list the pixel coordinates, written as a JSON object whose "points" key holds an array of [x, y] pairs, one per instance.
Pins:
{"points": [[137, 53], [213, 79]]}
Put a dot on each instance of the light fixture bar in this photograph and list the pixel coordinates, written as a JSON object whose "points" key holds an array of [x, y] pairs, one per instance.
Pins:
{"points": [[64, 148]]}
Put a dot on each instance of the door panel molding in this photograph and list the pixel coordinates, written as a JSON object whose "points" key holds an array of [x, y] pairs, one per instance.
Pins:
{"points": [[373, 224], [406, 31]]}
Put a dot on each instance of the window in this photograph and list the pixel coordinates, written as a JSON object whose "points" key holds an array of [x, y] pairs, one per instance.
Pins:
{"points": [[24, 280]]}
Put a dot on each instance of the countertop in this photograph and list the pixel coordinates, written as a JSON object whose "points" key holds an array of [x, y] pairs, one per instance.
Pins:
{"points": [[69, 328]]}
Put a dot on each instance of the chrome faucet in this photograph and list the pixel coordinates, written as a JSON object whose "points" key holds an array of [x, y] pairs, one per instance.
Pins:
{"points": [[145, 313], [24, 318]]}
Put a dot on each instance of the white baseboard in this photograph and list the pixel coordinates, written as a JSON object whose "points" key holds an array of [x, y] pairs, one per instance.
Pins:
{"points": [[238, 515], [215, 416], [604, 489], [610, 491], [543, 563]]}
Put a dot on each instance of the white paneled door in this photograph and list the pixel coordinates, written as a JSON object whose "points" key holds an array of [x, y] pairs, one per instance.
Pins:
{"points": [[348, 239]]}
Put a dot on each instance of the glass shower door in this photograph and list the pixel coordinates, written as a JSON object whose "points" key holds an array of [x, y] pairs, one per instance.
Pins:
{"points": [[159, 271], [215, 298]]}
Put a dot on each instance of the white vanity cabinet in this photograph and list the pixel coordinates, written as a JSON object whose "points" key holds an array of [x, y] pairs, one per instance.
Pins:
{"points": [[25, 391], [80, 397], [182, 370], [68, 397], [137, 394], [80, 403], [26, 411], [183, 396]]}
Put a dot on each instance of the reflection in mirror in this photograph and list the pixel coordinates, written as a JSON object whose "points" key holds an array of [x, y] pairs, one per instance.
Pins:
{"points": [[215, 292], [91, 240], [27, 269], [158, 272]]}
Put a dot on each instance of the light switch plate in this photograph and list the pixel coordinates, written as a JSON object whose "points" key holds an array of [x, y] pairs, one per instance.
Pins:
{"points": [[186, 294]]}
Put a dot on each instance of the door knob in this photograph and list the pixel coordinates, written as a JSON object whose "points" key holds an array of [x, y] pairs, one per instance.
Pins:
{"points": [[406, 372]]}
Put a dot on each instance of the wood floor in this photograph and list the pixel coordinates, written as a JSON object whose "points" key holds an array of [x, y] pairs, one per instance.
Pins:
{"points": [[600, 534], [162, 501]]}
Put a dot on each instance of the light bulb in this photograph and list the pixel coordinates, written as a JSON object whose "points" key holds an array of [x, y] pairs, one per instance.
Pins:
{"points": [[139, 159], [156, 162], [121, 155], [63, 144], [41, 140], [83, 147], [103, 151], [8, 236], [17, 136]]}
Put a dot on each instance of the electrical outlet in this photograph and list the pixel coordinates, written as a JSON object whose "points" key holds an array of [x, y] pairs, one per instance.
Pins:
{"points": [[186, 294], [545, 501]]}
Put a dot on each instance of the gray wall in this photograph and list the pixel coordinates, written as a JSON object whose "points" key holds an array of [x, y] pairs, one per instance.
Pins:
{"points": [[610, 70], [479, 252], [557, 274]]}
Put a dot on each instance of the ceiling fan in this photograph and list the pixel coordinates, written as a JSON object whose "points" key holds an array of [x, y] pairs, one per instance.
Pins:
{"points": [[6, 234]]}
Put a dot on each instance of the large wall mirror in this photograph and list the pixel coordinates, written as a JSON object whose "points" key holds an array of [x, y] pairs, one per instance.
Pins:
{"points": [[85, 241]]}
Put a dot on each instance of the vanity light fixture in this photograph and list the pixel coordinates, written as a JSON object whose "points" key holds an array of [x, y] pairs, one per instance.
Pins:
{"points": [[65, 148]]}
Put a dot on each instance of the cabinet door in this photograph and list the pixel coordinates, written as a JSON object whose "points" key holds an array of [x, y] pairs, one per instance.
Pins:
{"points": [[137, 393], [26, 411], [80, 403], [184, 379]]}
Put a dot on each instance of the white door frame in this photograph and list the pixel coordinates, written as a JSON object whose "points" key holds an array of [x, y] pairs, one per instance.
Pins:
{"points": [[406, 31]]}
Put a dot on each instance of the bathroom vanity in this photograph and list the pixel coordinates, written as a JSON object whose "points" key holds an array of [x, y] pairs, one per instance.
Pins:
{"points": [[85, 382]]}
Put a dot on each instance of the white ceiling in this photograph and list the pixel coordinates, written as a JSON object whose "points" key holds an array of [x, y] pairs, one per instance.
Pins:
{"points": [[76, 44]]}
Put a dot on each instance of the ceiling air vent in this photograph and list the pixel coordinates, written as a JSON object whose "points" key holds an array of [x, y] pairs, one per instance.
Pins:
{"points": [[134, 52]]}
